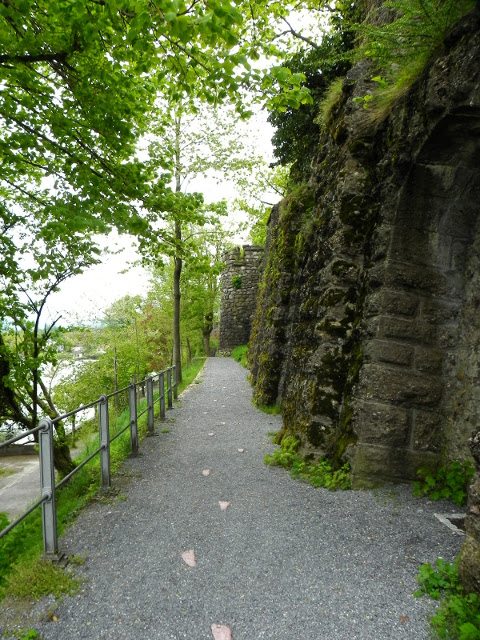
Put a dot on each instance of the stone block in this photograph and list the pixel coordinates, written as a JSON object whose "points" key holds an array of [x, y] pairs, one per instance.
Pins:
{"points": [[381, 424], [399, 303], [469, 564], [438, 312], [421, 247], [372, 465], [427, 433], [388, 351], [422, 279], [429, 360], [381, 242], [398, 387], [406, 329]]}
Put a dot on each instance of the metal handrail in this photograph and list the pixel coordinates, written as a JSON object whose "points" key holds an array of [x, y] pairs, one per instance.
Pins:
{"points": [[24, 434], [48, 487]]}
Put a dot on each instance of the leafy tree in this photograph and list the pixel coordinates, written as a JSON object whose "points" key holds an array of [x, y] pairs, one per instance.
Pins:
{"points": [[196, 148], [259, 191], [26, 348], [321, 61], [79, 78]]}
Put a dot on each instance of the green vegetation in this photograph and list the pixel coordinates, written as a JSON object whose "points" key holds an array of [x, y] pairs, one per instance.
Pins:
{"points": [[458, 617], [319, 474], [5, 472], [240, 354], [237, 282], [22, 546], [402, 48], [450, 482], [25, 634], [82, 85], [37, 578], [270, 409]]}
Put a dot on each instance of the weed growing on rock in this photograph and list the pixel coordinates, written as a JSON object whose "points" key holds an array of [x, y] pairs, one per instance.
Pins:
{"points": [[459, 613], [270, 409], [450, 482], [319, 474]]}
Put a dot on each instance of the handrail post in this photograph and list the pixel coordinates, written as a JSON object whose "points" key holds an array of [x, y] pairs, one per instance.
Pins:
{"points": [[151, 417], [161, 385], [47, 487], [132, 403], [104, 441], [169, 387], [175, 387]]}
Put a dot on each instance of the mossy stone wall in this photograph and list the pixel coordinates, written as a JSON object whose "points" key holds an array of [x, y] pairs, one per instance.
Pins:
{"points": [[367, 327]]}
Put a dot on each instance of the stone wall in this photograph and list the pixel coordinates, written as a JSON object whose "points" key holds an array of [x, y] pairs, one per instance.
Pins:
{"points": [[239, 280], [367, 328], [469, 564]]}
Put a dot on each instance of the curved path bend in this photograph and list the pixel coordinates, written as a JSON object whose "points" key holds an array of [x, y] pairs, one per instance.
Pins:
{"points": [[281, 561]]}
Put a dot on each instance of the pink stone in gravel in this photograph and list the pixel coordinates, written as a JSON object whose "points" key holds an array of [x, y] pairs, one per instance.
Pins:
{"points": [[189, 558], [221, 632], [224, 505], [241, 450], [206, 472]]}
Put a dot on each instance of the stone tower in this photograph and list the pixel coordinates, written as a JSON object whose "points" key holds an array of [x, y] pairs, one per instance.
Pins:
{"points": [[240, 280]]}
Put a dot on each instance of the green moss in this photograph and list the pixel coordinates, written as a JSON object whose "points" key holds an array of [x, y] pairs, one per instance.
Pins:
{"points": [[319, 474], [275, 293]]}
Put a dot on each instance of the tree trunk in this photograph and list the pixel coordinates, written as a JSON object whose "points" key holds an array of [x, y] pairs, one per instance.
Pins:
{"points": [[178, 263], [206, 331], [177, 351], [62, 459]]}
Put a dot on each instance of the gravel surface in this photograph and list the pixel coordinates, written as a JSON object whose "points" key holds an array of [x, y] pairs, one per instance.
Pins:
{"points": [[284, 561]]}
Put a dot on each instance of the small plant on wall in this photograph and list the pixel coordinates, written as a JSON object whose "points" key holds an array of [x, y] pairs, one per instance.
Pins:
{"points": [[450, 482], [237, 282]]}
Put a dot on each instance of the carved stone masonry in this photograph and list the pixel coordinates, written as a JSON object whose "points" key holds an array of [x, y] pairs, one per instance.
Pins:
{"points": [[469, 565]]}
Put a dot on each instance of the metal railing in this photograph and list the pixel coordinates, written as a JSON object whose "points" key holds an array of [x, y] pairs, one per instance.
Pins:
{"points": [[45, 429]]}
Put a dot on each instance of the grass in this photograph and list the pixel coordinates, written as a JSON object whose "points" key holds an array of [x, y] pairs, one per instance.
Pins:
{"points": [[5, 472], [331, 97], [270, 409], [240, 354], [22, 547], [39, 578]]}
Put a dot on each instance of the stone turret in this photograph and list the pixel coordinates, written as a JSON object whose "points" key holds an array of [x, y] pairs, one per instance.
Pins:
{"points": [[240, 280]]}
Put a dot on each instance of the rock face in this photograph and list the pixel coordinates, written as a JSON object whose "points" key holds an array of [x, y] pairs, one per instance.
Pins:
{"points": [[368, 321], [240, 280], [469, 564]]}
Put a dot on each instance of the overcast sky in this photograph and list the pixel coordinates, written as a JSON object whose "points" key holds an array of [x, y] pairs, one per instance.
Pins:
{"points": [[83, 298]]}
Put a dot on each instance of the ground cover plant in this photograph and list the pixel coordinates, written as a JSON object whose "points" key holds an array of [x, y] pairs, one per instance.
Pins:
{"points": [[458, 617], [21, 569], [449, 481], [319, 474], [239, 354]]}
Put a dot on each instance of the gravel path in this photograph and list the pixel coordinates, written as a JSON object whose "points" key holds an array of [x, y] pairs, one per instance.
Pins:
{"points": [[284, 561]]}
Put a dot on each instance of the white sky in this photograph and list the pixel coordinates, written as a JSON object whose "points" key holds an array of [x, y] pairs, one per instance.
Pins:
{"points": [[83, 298]]}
